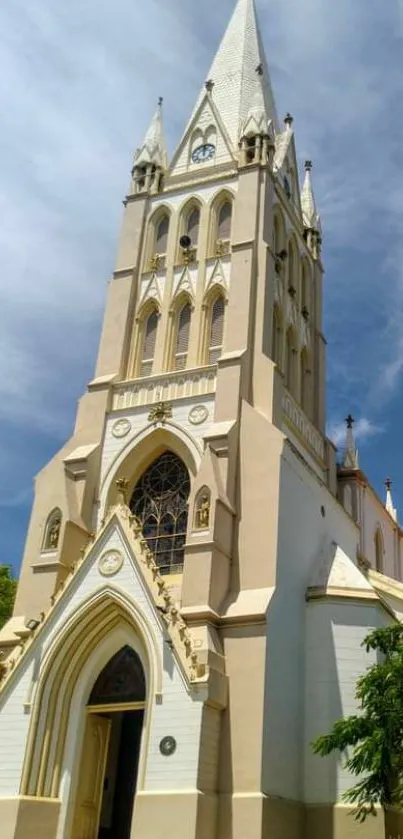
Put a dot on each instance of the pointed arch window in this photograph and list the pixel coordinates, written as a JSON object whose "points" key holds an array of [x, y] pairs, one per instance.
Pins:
{"points": [[291, 363], [378, 539], [277, 337], [160, 502], [149, 340], [161, 235], [193, 226], [216, 330], [224, 222], [182, 337], [306, 384]]}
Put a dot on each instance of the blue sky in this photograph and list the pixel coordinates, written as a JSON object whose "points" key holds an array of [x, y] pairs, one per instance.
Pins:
{"points": [[78, 85]]}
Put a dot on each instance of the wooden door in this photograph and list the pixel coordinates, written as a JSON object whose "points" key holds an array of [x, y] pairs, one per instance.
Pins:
{"points": [[91, 777]]}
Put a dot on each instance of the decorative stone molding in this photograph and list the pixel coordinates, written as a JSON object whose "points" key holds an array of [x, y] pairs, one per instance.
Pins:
{"points": [[110, 563], [168, 387], [176, 628], [121, 428], [198, 414]]}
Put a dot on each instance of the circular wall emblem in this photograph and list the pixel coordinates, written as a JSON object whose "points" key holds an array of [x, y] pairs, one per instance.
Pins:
{"points": [[198, 414], [168, 746], [121, 428], [110, 563]]}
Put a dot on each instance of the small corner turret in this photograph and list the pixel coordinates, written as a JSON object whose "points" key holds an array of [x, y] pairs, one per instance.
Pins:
{"points": [[151, 159], [310, 215]]}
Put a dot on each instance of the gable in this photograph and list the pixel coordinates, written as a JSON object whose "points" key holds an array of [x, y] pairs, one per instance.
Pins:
{"points": [[205, 127]]}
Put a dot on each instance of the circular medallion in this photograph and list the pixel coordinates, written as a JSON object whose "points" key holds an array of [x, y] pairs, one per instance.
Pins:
{"points": [[168, 746], [110, 563], [198, 414], [121, 428]]}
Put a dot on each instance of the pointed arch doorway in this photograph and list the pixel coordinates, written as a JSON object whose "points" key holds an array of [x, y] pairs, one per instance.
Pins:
{"points": [[107, 778]]}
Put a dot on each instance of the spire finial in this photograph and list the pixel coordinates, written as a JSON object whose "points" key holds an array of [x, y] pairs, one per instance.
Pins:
{"points": [[288, 119], [350, 421], [160, 101], [391, 509], [308, 166]]}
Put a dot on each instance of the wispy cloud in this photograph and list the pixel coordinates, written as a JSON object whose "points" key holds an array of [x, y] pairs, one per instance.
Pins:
{"points": [[363, 430]]}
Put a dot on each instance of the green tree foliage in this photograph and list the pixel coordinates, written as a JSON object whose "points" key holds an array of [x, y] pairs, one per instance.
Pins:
{"points": [[373, 742], [8, 588]]}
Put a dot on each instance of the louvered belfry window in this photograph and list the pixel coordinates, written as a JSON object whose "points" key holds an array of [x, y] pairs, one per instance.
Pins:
{"points": [[182, 337], [216, 330], [149, 342], [225, 221], [161, 238], [193, 224], [160, 502]]}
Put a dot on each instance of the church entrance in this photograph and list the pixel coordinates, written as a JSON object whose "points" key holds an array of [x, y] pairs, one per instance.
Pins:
{"points": [[111, 751]]}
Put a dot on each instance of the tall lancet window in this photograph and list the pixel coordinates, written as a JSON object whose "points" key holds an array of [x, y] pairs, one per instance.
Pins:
{"points": [[216, 330], [277, 337], [193, 225], [378, 539], [161, 235], [224, 224], [291, 364], [149, 340], [160, 502], [182, 337]]}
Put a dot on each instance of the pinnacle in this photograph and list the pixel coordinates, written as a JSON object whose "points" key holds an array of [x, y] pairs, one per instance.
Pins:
{"points": [[309, 211], [153, 149]]}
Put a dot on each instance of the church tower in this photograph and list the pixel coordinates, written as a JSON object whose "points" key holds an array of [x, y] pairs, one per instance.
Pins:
{"points": [[153, 672]]}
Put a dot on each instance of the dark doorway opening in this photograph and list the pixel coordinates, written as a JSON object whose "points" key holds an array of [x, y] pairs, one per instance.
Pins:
{"points": [[121, 774]]}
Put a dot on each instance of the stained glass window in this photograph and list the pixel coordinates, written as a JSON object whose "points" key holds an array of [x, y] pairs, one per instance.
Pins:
{"points": [[160, 502]]}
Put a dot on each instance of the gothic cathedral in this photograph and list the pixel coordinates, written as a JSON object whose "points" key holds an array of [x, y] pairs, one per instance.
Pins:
{"points": [[200, 570]]}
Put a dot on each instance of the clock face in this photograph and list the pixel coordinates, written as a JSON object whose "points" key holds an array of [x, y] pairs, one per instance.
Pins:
{"points": [[203, 153]]}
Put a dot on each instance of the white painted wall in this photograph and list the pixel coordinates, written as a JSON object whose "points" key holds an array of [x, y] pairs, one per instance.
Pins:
{"points": [[374, 515], [334, 661], [302, 532], [179, 714]]}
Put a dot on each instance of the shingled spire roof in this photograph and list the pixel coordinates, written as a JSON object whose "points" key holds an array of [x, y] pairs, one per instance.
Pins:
{"points": [[240, 74], [153, 149]]}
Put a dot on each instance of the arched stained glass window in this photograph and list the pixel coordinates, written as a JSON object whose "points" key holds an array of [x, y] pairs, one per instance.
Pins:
{"points": [[121, 681], [216, 330], [149, 342], [182, 337], [160, 502], [225, 221]]}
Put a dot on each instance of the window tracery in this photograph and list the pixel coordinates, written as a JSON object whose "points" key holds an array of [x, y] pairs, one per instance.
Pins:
{"points": [[160, 502]]}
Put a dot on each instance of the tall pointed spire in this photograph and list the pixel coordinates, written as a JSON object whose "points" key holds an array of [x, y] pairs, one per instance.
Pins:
{"points": [[153, 149], [240, 74], [310, 214]]}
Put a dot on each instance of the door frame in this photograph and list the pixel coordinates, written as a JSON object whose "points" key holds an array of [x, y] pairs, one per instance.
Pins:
{"points": [[98, 710]]}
